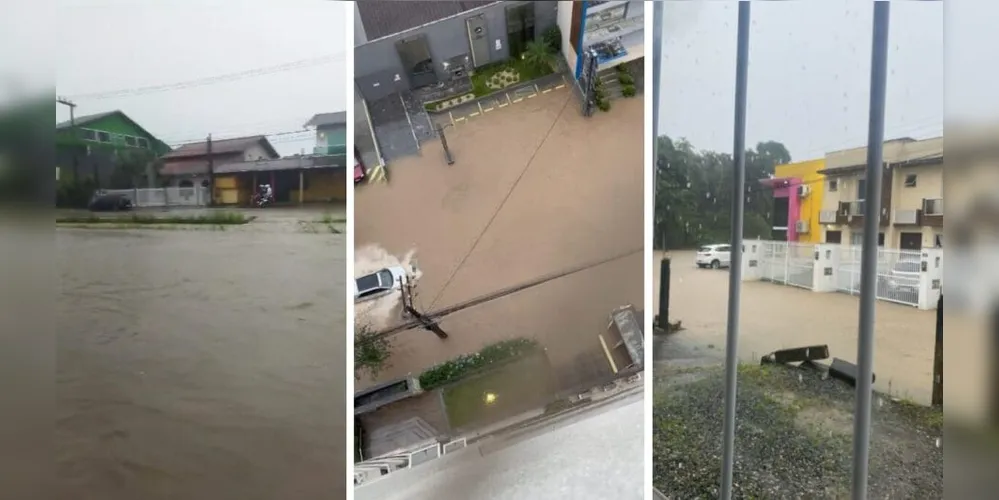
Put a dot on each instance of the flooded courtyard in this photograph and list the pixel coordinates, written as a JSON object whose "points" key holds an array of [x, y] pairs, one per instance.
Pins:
{"points": [[200, 364]]}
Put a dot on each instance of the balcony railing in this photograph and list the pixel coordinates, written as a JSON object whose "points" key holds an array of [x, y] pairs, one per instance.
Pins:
{"points": [[933, 206], [853, 208], [827, 217]]}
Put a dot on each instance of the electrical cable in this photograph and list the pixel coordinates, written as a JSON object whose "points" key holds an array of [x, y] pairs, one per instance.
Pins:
{"points": [[530, 163], [199, 82]]}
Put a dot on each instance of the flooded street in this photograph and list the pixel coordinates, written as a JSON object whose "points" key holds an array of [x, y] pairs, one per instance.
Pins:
{"points": [[200, 365], [777, 317]]}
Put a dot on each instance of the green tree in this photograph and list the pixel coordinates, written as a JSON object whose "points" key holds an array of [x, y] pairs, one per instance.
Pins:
{"points": [[371, 352], [694, 193], [553, 38], [539, 55]]}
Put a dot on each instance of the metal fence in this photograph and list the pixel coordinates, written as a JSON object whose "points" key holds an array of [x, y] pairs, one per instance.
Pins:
{"points": [[788, 263], [898, 274], [198, 196], [381, 466]]}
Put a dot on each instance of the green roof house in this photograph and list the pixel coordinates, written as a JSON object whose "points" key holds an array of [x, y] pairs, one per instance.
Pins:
{"points": [[93, 147]]}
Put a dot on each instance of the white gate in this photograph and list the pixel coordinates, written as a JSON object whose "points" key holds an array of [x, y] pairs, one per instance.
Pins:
{"points": [[898, 274], [788, 263], [801, 265]]}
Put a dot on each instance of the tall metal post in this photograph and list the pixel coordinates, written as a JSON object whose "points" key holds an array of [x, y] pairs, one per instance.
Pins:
{"points": [[937, 397], [869, 252], [447, 151], [735, 269], [657, 64]]}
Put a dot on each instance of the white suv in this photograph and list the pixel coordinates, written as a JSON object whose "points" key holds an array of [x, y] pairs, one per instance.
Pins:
{"points": [[379, 283], [714, 256]]}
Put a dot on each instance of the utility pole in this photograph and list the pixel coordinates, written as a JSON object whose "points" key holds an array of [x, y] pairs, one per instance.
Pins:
{"points": [[426, 322], [937, 397], [211, 173], [72, 128], [447, 151]]}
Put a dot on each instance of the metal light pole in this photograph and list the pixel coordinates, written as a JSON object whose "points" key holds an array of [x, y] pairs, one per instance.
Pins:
{"points": [[735, 268], [869, 251]]}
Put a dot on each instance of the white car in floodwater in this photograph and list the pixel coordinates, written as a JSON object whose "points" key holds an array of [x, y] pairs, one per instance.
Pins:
{"points": [[379, 283]]}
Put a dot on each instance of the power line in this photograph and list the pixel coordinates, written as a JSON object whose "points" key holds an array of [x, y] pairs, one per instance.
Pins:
{"points": [[435, 315], [200, 82], [530, 162], [306, 134]]}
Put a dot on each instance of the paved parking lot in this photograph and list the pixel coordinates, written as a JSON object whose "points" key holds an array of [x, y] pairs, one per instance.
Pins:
{"points": [[536, 188], [778, 316]]}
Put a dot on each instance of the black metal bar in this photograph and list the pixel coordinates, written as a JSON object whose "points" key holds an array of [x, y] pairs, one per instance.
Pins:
{"points": [[869, 251], [735, 269], [664, 275], [938, 374]]}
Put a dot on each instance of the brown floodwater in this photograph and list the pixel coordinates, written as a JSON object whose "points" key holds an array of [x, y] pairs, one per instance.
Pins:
{"points": [[200, 365]]}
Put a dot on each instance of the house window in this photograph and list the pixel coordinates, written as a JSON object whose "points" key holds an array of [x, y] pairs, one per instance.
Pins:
{"points": [[143, 142], [130, 141], [104, 137], [938, 240], [88, 135], [861, 189], [910, 180], [833, 185]]}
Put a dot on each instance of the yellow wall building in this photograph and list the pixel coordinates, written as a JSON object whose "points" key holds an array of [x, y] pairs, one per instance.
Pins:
{"points": [[809, 205]]}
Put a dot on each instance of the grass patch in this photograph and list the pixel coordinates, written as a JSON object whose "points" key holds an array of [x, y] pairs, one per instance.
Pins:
{"points": [[494, 77], [499, 393], [466, 365], [212, 219]]}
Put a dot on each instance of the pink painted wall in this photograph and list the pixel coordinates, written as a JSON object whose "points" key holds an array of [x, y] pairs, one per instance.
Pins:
{"points": [[789, 189]]}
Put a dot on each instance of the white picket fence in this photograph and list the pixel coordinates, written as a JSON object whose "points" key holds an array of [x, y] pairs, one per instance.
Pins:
{"points": [[903, 276], [198, 196]]}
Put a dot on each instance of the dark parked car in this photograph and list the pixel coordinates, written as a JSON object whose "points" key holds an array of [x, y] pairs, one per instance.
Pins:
{"points": [[104, 202]]}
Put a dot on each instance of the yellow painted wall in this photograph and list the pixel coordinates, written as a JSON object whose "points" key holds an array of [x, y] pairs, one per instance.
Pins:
{"points": [[230, 191], [808, 172], [325, 185]]}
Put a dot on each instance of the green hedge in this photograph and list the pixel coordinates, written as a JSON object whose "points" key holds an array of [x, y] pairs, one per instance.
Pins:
{"points": [[455, 369]]}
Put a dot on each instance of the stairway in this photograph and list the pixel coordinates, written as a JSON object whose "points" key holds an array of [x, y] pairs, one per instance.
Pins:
{"points": [[401, 436]]}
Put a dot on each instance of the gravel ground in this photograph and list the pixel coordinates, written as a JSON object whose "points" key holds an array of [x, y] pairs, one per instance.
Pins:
{"points": [[793, 438]]}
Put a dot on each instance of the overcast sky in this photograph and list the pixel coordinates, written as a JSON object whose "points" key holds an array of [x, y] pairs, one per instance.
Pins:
{"points": [[809, 73], [109, 45]]}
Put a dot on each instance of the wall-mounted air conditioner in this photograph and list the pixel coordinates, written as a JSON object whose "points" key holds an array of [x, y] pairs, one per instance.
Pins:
{"points": [[804, 190], [801, 227]]}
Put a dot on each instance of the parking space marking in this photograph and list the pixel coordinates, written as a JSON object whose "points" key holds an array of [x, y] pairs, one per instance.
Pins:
{"points": [[451, 115], [486, 110], [518, 99], [460, 119], [532, 95], [560, 86], [503, 105], [545, 91], [473, 114], [479, 104]]}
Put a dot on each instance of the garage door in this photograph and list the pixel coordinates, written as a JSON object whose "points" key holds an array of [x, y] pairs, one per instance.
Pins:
{"points": [[911, 241]]}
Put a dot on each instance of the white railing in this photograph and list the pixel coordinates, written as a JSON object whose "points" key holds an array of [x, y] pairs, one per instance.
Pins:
{"points": [[898, 274], [166, 197], [383, 465]]}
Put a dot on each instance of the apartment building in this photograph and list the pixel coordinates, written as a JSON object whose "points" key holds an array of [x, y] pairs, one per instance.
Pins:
{"points": [[911, 215]]}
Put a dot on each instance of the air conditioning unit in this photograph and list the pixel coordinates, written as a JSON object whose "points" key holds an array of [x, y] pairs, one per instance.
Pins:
{"points": [[801, 227], [804, 190], [827, 216]]}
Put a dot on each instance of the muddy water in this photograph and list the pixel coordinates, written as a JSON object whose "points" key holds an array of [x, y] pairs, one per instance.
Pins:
{"points": [[200, 364], [775, 317]]}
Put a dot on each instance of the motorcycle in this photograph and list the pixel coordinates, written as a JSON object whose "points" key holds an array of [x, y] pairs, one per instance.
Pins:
{"points": [[260, 200]]}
